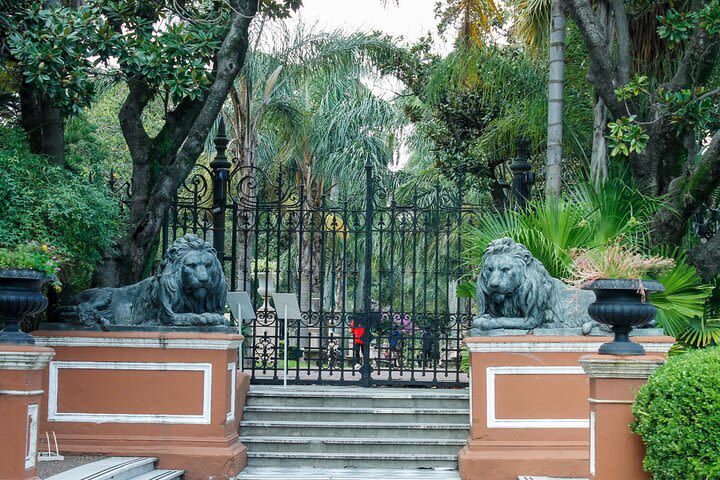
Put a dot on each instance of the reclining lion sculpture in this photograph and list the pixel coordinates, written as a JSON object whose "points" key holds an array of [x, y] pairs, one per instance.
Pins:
{"points": [[515, 291], [188, 290]]}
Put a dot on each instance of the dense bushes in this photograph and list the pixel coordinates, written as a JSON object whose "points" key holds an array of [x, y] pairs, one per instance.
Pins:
{"points": [[48, 204], [678, 417]]}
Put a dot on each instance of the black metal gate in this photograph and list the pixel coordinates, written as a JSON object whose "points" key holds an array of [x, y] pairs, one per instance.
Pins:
{"points": [[375, 277]]}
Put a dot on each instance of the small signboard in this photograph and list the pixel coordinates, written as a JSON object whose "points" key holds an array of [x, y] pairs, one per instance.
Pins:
{"points": [[286, 307], [289, 301], [241, 307]]}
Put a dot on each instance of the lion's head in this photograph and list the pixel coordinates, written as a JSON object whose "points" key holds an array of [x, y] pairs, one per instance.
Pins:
{"points": [[512, 283], [190, 279]]}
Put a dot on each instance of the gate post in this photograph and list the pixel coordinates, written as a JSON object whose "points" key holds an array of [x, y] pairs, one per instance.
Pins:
{"points": [[366, 369], [221, 168]]}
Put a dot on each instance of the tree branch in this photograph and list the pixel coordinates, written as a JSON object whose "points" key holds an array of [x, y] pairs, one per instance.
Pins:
{"points": [[175, 129], [698, 59], [601, 63], [138, 143], [623, 41], [130, 117], [686, 194]]}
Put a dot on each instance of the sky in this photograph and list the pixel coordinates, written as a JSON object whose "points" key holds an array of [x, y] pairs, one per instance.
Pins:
{"points": [[410, 18]]}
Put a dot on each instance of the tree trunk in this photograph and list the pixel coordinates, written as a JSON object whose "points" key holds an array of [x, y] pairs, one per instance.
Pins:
{"points": [[53, 132], [310, 251], [173, 152], [244, 179], [43, 124], [553, 181], [599, 154]]}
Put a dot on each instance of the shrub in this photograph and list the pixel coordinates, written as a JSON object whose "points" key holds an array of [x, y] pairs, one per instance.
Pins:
{"points": [[678, 417], [43, 203]]}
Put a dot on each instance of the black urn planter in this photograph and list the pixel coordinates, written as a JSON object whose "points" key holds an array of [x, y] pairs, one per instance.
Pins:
{"points": [[622, 304], [20, 295]]}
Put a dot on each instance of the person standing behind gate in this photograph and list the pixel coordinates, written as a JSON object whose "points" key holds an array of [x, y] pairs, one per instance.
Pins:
{"points": [[358, 342]]}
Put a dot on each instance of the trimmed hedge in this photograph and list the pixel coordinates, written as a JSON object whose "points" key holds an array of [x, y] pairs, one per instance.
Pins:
{"points": [[677, 415]]}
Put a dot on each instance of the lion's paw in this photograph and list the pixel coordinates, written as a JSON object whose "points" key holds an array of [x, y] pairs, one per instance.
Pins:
{"points": [[486, 323], [213, 319]]}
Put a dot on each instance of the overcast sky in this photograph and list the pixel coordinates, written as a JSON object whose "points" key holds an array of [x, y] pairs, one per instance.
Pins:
{"points": [[410, 19]]}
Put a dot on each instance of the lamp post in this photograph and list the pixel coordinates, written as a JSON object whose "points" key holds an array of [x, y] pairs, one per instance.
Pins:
{"points": [[523, 178]]}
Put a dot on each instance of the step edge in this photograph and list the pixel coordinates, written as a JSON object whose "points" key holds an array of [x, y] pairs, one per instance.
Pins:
{"points": [[113, 470]]}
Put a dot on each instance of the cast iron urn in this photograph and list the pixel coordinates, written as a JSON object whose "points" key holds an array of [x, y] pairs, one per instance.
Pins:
{"points": [[20, 294], [622, 304]]}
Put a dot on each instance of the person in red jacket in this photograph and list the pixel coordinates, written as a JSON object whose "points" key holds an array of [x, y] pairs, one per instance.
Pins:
{"points": [[358, 342]]}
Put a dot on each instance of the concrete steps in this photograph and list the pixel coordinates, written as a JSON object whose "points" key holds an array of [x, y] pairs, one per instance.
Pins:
{"points": [[308, 473], [339, 414], [354, 445], [119, 468], [338, 427]]}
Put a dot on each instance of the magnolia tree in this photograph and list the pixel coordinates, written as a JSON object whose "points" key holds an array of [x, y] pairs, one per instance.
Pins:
{"points": [[666, 125], [185, 52]]}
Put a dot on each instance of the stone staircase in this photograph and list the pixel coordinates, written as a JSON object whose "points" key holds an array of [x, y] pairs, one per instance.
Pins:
{"points": [[119, 468], [337, 427]]}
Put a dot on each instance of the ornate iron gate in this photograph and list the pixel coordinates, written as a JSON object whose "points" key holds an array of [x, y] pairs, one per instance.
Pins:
{"points": [[377, 296]]}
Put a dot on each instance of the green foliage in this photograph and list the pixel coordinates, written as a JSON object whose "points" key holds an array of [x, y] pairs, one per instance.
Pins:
{"points": [[681, 307], [31, 256], [677, 415], [675, 26], [465, 360], [44, 203], [53, 49], [688, 108], [169, 45], [586, 217], [626, 136], [309, 107], [466, 290], [470, 106]]}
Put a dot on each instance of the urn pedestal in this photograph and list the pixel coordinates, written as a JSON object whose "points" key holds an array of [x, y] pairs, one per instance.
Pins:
{"points": [[21, 404], [615, 451], [170, 395]]}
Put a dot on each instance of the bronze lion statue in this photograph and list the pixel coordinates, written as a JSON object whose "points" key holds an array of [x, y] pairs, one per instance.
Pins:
{"points": [[187, 290], [515, 291]]}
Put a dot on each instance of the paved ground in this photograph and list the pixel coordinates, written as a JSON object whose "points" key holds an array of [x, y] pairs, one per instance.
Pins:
{"points": [[50, 468], [345, 474]]}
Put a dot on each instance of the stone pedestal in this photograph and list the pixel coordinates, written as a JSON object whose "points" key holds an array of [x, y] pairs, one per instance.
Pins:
{"points": [[528, 408], [165, 394], [21, 372], [616, 452]]}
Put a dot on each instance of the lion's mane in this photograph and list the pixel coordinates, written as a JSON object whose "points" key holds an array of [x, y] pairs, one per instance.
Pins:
{"points": [[163, 295], [534, 297]]}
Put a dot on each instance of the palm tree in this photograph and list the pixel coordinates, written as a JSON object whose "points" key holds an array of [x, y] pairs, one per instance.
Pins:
{"points": [[474, 19], [556, 82], [535, 19], [303, 104]]}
